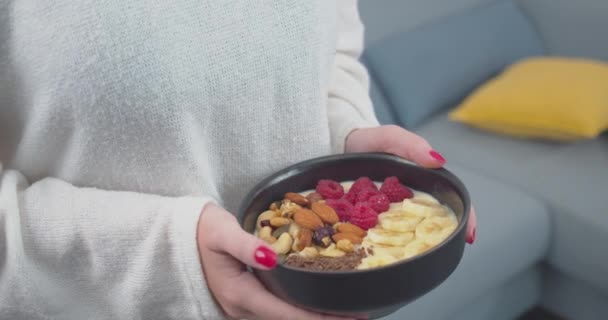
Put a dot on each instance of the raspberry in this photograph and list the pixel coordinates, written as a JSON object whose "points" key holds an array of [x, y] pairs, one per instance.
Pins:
{"points": [[363, 183], [379, 202], [351, 197], [330, 189], [342, 206], [365, 194], [395, 190], [364, 216]]}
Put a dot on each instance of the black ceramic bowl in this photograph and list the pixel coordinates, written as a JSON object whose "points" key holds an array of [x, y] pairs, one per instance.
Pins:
{"points": [[373, 292]]}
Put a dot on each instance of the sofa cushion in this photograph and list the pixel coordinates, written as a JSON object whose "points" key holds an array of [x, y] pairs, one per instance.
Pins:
{"points": [[571, 178], [554, 98], [432, 67], [506, 302], [574, 182], [512, 235], [490, 154], [572, 298]]}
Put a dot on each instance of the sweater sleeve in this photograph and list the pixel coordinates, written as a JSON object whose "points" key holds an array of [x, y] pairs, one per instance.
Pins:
{"points": [[349, 104], [83, 253]]}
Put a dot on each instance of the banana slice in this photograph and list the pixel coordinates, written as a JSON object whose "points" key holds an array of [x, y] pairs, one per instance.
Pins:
{"points": [[387, 237], [415, 248], [346, 185], [395, 206], [376, 261], [398, 221], [383, 249], [446, 221], [433, 230], [425, 198], [422, 208]]}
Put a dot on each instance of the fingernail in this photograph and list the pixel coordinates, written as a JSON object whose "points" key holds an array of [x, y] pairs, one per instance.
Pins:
{"points": [[437, 156], [266, 257], [471, 238]]}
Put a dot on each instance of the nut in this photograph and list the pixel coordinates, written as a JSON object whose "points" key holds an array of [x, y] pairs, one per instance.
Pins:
{"points": [[294, 230], [266, 215], [307, 219], [353, 238], [279, 221], [294, 245], [345, 245], [351, 228], [275, 206], [283, 244], [325, 242], [309, 252], [280, 230], [325, 212], [332, 251], [314, 197], [297, 198], [304, 239], [288, 208], [266, 235]]}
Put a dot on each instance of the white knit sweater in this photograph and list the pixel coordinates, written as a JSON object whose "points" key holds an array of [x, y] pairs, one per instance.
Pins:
{"points": [[119, 120]]}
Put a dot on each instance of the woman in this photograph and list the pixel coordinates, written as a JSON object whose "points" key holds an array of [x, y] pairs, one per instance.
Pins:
{"points": [[130, 131]]}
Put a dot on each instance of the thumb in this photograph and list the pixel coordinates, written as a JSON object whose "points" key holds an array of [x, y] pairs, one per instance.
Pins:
{"points": [[227, 237]]}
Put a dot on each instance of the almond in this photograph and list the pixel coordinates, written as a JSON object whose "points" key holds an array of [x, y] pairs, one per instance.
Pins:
{"points": [[304, 239], [314, 197], [307, 219], [325, 212], [297, 198], [353, 238], [351, 228]]}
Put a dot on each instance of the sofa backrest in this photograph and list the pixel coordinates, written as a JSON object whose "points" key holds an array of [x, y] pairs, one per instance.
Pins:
{"points": [[388, 17], [571, 28], [431, 67], [567, 27]]}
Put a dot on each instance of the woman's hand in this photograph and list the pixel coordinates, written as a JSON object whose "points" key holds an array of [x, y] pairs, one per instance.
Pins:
{"points": [[224, 249], [396, 140]]}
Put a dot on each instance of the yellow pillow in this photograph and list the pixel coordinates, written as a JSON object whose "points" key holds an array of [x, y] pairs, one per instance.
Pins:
{"points": [[552, 98]]}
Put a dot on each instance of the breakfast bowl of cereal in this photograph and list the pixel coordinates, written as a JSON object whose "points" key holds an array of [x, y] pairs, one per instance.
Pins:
{"points": [[358, 234]]}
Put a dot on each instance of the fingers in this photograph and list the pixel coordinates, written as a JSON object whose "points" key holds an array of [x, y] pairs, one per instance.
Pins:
{"points": [[226, 236], [261, 303], [396, 140], [411, 147], [472, 226], [224, 243]]}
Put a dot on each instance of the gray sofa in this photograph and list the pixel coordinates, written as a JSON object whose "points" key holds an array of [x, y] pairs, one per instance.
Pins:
{"points": [[542, 206]]}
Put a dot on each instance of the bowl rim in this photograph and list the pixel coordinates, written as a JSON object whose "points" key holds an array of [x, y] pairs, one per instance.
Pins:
{"points": [[442, 172]]}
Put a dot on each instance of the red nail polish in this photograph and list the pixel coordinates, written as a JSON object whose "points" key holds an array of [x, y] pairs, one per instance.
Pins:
{"points": [[266, 257], [437, 156], [471, 239]]}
